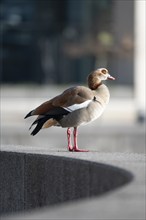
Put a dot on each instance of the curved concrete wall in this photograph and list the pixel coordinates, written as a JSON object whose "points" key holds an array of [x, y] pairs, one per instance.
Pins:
{"points": [[31, 180]]}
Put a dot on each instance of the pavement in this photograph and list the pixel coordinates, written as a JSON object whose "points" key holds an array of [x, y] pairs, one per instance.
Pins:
{"points": [[115, 139], [124, 203]]}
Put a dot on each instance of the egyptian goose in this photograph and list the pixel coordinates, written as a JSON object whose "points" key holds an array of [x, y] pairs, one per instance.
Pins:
{"points": [[76, 106]]}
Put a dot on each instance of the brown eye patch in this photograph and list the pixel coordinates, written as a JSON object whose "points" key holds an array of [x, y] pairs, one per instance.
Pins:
{"points": [[104, 71]]}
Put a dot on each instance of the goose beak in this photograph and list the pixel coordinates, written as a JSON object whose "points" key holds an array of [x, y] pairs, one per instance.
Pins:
{"points": [[110, 77]]}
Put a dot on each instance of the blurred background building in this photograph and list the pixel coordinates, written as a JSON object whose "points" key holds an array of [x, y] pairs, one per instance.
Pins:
{"points": [[61, 41]]}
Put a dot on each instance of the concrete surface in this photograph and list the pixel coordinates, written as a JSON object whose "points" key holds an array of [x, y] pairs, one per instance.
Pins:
{"points": [[127, 202], [31, 181]]}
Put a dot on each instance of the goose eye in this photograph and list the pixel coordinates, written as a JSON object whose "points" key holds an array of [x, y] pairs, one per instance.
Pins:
{"points": [[104, 71]]}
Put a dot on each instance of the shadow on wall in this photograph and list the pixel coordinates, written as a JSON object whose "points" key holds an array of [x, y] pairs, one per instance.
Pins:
{"points": [[29, 181]]}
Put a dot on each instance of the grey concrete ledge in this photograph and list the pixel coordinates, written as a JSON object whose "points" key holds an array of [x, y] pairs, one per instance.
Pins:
{"points": [[32, 181], [34, 178]]}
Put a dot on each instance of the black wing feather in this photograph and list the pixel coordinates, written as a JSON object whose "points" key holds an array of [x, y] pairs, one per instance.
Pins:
{"points": [[57, 115]]}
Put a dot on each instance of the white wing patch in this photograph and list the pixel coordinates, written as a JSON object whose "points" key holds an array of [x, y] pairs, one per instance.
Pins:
{"points": [[74, 107]]}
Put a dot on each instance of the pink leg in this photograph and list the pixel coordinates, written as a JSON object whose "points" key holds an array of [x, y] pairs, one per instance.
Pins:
{"points": [[75, 148], [70, 148]]}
